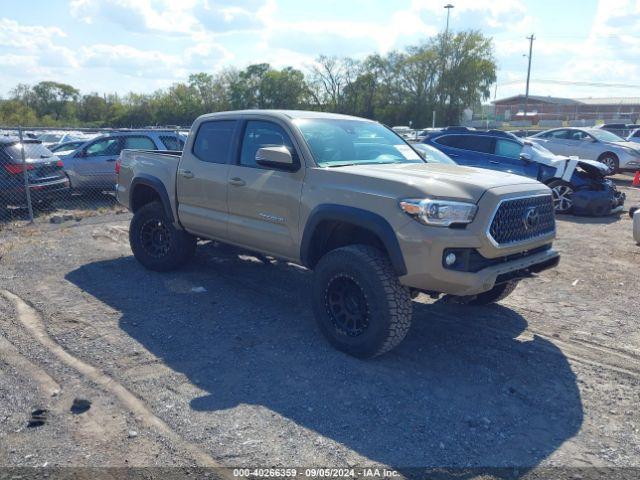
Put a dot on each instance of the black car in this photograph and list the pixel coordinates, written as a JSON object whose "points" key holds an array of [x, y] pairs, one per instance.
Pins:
{"points": [[45, 173]]}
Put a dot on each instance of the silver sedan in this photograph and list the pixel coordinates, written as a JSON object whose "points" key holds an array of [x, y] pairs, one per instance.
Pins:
{"points": [[591, 144]]}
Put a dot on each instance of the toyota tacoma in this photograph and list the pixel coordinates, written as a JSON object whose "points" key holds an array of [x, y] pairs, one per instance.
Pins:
{"points": [[350, 200]]}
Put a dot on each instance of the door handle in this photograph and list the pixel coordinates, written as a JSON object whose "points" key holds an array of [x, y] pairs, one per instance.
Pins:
{"points": [[186, 173], [453, 155], [495, 162], [236, 182], [111, 159]]}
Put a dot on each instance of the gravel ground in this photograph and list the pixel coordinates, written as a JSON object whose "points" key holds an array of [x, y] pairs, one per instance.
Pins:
{"points": [[238, 374]]}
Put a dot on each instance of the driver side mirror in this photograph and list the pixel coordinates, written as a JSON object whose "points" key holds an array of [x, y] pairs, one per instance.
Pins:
{"points": [[526, 156], [275, 157], [81, 154]]}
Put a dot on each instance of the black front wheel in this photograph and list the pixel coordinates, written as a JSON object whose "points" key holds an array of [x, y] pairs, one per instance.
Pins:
{"points": [[156, 243], [358, 302]]}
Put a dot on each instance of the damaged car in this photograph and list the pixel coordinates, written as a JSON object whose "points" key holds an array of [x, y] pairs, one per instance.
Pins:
{"points": [[579, 186]]}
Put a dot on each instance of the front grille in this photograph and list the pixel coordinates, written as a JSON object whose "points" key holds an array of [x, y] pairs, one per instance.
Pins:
{"points": [[523, 219]]}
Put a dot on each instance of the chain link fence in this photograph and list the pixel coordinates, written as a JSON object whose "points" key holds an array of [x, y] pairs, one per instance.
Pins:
{"points": [[63, 175]]}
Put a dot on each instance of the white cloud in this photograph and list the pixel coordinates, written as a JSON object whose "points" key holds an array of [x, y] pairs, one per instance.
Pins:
{"points": [[186, 17], [12, 34], [306, 39], [141, 16]]}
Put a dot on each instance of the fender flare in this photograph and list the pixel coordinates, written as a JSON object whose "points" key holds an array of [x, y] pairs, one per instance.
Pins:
{"points": [[357, 217], [156, 184]]}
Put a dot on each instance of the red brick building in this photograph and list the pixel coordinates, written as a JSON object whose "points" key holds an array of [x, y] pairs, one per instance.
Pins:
{"points": [[567, 109]]}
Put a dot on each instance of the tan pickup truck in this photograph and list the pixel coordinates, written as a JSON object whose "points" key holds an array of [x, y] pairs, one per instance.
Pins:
{"points": [[348, 198]]}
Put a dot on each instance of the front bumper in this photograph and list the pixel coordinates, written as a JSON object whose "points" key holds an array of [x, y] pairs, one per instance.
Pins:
{"points": [[424, 248], [472, 283], [598, 202]]}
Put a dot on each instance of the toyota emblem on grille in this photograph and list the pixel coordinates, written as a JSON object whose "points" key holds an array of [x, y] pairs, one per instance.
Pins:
{"points": [[531, 218]]}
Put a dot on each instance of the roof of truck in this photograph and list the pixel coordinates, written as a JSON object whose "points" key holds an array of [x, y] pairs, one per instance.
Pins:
{"points": [[286, 113]]}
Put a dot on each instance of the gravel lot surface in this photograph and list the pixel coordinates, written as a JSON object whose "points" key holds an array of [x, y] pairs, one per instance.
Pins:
{"points": [[221, 363]]}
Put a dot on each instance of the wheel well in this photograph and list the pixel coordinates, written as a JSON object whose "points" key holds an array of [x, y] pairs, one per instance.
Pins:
{"points": [[332, 234], [142, 195], [602, 155]]}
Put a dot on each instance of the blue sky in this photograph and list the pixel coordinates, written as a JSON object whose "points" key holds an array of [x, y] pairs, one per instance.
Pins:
{"points": [[143, 45]]}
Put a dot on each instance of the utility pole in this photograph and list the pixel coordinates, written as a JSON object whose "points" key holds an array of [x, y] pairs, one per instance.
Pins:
{"points": [[526, 95]]}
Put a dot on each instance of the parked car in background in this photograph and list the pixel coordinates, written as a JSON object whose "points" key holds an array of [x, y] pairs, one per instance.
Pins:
{"points": [[422, 134], [92, 165], [591, 144], [578, 186], [520, 133], [405, 132], [620, 129], [634, 136], [45, 172], [431, 154], [50, 139], [67, 147]]}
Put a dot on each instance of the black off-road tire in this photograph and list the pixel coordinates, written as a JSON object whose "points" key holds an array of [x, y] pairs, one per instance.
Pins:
{"points": [[178, 249], [497, 293], [386, 302]]}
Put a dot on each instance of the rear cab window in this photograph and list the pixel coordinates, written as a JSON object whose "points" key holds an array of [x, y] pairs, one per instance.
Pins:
{"points": [[213, 141]]}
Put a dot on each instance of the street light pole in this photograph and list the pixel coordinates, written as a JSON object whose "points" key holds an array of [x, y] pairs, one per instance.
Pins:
{"points": [[445, 41], [526, 95], [448, 6]]}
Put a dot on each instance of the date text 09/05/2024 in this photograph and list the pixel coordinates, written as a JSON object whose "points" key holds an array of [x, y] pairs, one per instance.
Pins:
{"points": [[316, 472]]}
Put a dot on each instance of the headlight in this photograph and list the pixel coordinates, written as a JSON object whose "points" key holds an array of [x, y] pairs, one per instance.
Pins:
{"points": [[440, 213]]}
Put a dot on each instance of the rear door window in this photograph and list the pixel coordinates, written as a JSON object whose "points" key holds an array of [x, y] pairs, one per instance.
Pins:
{"points": [[213, 141], [139, 143], [472, 143], [558, 134]]}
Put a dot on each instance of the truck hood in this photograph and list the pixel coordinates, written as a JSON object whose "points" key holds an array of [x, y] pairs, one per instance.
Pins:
{"points": [[436, 180]]}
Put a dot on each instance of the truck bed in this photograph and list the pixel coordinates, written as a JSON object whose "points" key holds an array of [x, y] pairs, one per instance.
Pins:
{"points": [[162, 165]]}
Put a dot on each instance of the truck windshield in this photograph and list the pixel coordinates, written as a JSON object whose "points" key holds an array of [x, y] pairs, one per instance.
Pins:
{"points": [[338, 143]]}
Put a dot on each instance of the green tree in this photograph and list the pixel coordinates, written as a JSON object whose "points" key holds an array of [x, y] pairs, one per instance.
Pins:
{"points": [[57, 100], [470, 70]]}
